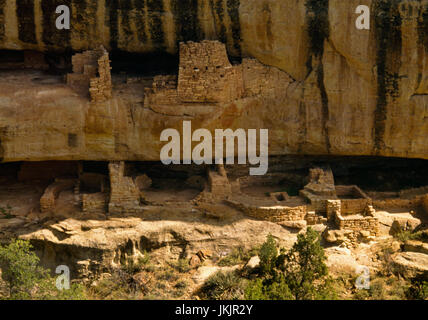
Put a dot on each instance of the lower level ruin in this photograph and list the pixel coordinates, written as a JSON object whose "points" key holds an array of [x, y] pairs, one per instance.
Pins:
{"points": [[296, 192]]}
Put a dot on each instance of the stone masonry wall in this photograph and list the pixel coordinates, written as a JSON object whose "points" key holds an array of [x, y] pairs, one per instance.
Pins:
{"points": [[91, 73], [219, 184], [124, 194], [359, 223], [367, 224], [206, 75], [261, 79], [101, 86], [312, 218], [163, 91], [274, 214], [94, 203], [47, 201]]}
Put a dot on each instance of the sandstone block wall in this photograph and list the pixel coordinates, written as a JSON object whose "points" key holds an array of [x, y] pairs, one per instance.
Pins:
{"points": [[94, 203], [124, 194], [261, 79], [312, 218], [369, 224], [218, 184], [206, 75], [350, 205], [274, 214], [101, 86], [333, 209], [357, 223], [91, 71], [163, 91], [47, 201]]}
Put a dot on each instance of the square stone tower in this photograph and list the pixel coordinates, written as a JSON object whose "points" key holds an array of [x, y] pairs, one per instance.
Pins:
{"points": [[206, 75]]}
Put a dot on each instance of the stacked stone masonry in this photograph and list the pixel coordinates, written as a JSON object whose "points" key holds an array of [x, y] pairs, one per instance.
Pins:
{"points": [[219, 185], [259, 79], [163, 91], [369, 224], [47, 201], [91, 71], [312, 218], [94, 203], [356, 223], [206, 75], [274, 214], [124, 193]]}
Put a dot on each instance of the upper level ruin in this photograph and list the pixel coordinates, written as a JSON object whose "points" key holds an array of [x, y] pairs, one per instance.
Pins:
{"points": [[91, 69], [206, 75]]}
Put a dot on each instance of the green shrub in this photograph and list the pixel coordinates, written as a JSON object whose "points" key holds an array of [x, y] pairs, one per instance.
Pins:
{"points": [[305, 270], [133, 266], [261, 290], [181, 265], [237, 256], [403, 236], [26, 280], [224, 286], [299, 274], [418, 289], [268, 256]]}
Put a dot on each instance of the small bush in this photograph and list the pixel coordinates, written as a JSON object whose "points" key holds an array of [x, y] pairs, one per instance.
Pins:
{"points": [[418, 289], [408, 235], [268, 255], [390, 288], [133, 266], [224, 286], [258, 290], [237, 256], [182, 284], [26, 280], [299, 274], [168, 275], [181, 265]]}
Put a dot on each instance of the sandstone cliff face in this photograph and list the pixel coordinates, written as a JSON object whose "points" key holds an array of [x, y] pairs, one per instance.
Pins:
{"points": [[350, 92]]}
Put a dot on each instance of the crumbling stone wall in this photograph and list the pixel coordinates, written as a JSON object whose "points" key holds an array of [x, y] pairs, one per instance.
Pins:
{"points": [[349, 205], [47, 201], [261, 79], [369, 224], [101, 86], [312, 218], [124, 194], [321, 182], [206, 75], [94, 203], [333, 209], [163, 91], [219, 184], [410, 199], [91, 73], [366, 223], [274, 214]]}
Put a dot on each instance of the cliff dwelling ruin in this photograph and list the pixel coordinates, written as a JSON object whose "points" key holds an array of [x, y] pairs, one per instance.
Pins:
{"points": [[205, 80], [81, 118]]}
